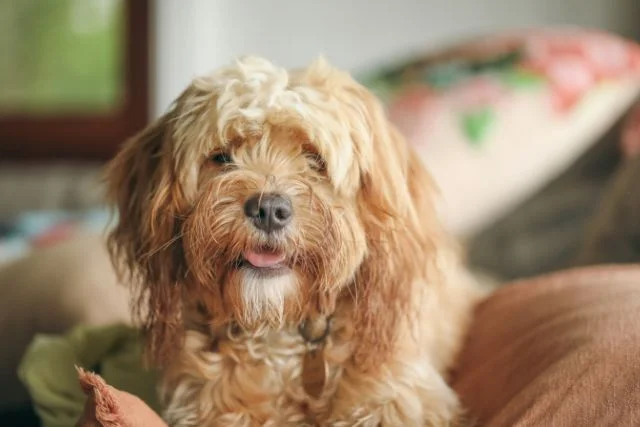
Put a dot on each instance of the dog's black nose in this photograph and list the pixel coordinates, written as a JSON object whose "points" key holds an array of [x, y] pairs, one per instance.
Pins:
{"points": [[269, 211]]}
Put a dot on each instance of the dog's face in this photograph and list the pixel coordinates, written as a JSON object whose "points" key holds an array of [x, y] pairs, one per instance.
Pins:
{"points": [[264, 195], [273, 230]]}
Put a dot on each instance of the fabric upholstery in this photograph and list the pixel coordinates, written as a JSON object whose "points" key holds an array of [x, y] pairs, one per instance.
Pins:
{"points": [[557, 350]]}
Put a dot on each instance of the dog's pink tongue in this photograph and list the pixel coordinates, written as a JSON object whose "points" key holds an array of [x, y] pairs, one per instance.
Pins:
{"points": [[263, 259]]}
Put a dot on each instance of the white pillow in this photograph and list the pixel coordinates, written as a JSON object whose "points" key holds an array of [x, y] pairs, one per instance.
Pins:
{"points": [[497, 119]]}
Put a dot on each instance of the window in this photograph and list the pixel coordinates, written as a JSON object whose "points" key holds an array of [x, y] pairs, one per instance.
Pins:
{"points": [[74, 80]]}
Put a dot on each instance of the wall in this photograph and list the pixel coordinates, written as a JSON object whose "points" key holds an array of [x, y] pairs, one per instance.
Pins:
{"points": [[194, 36]]}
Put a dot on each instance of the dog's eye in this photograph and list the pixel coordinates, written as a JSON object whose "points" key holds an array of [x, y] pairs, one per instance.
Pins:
{"points": [[221, 158], [315, 160]]}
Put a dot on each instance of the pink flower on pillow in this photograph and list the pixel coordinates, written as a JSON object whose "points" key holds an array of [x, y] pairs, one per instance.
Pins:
{"points": [[411, 100], [570, 77], [576, 62], [481, 91], [412, 110], [608, 56]]}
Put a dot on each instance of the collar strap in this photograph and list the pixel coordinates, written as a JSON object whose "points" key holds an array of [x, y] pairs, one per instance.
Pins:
{"points": [[316, 330]]}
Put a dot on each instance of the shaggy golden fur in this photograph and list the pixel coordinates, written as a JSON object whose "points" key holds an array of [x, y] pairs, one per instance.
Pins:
{"points": [[364, 246]]}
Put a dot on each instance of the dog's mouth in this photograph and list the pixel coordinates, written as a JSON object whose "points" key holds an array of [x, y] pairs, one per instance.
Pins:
{"points": [[264, 260]]}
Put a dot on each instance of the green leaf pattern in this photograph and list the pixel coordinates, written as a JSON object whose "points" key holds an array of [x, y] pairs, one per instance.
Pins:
{"points": [[441, 76], [476, 124]]}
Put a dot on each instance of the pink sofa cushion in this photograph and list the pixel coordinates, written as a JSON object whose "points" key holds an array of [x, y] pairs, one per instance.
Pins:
{"points": [[559, 350]]}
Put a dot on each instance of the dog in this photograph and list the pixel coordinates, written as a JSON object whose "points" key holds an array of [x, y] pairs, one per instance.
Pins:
{"points": [[288, 262]]}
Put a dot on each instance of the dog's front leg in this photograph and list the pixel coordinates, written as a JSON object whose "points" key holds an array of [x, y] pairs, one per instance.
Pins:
{"points": [[406, 392]]}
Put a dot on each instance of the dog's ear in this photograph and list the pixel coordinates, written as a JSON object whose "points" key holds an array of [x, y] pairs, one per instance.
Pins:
{"points": [[145, 244], [396, 203]]}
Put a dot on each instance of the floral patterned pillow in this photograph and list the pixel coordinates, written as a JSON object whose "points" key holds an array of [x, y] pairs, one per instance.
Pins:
{"points": [[496, 119]]}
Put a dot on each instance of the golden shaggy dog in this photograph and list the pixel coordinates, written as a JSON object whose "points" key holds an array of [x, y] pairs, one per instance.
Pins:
{"points": [[290, 266]]}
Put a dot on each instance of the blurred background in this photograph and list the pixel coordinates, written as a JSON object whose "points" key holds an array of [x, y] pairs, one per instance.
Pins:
{"points": [[525, 182], [77, 76]]}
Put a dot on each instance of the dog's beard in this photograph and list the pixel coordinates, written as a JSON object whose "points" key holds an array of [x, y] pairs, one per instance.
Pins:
{"points": [[264, 297]]}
